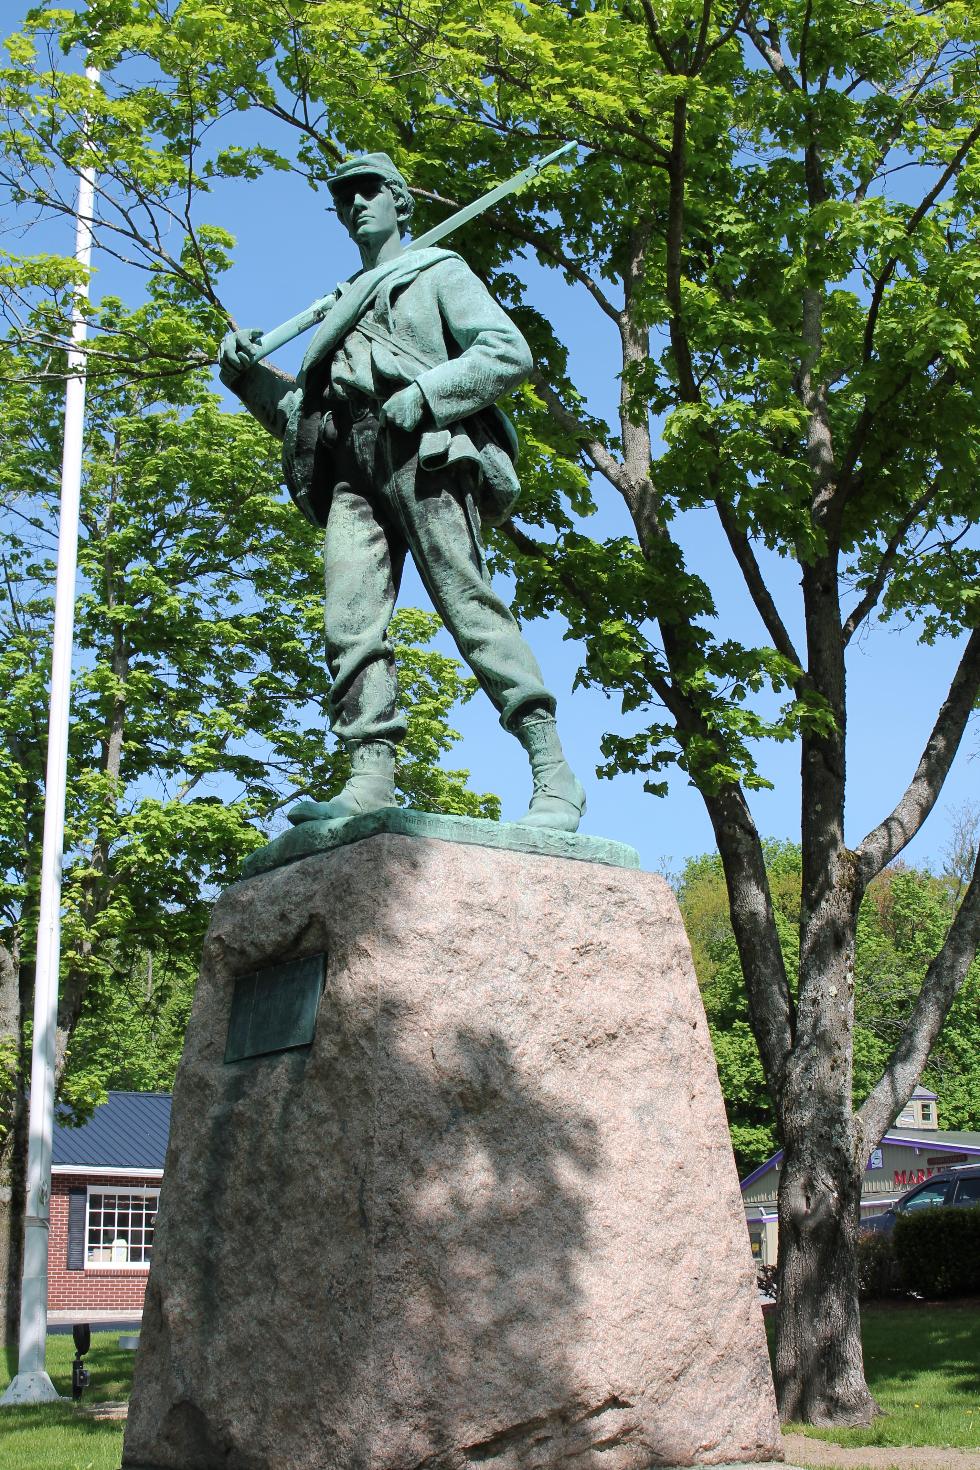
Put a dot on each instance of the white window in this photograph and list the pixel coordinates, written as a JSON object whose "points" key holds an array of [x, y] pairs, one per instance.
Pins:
{"points": [[119, 1227]]}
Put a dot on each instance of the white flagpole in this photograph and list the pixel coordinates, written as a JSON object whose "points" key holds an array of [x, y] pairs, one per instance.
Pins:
{"points": [[32, 1384]]}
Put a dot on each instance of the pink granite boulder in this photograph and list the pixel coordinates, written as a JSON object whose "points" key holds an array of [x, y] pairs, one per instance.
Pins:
{"points": [[489, 1217]]}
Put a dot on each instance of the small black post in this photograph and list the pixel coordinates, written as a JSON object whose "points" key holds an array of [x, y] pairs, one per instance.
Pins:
{"points": [[80, 1376]]}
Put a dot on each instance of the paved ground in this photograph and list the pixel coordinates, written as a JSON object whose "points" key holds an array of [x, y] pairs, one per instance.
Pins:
{"points": [[108, 1409], [819, 1453]]}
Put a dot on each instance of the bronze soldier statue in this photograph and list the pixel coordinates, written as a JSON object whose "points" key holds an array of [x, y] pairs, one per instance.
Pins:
{"points": [[393, 443]]}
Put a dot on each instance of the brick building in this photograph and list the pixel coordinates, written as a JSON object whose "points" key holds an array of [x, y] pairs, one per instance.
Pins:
{"points": [[105, 1184]]}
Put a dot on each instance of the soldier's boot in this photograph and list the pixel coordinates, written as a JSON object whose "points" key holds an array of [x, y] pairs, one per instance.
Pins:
{"points": [[369, 788], [559, 799]]}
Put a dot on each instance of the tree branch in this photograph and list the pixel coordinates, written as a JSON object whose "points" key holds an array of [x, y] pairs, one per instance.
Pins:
{"points": [[564, 262], [804, 39], [726, 35], [914, 220], [675, 243], [666, 692], [887, 560], [772, 1012], [869, 417], [749, 567], [893, 134], [886, 841], [595, 451], [772, 56], [813, 396], [659, 44], [640, 134], [697, 60], [943, 980]]}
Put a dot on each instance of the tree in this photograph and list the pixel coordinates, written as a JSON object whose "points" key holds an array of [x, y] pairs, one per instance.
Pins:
{"points": [[703, 898], [902, 924], [198, 705], [130, 1032], [778, 223]]}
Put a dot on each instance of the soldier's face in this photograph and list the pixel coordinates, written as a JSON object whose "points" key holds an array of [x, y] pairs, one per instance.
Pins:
{"points": [[366, 209]]}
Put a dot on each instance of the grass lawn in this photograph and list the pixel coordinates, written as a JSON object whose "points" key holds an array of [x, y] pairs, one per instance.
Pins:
{"points": [[922, 1363], [57, 1436]]}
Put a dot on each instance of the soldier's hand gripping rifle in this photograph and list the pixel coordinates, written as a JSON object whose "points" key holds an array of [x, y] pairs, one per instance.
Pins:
{"points": [[262, 345]]}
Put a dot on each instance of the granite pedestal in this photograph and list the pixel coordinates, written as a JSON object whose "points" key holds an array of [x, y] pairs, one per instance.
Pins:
{"points": [[487, 1216]]}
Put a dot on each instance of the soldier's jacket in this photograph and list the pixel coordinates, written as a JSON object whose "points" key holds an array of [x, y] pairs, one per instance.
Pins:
{"points": [[428, 320]]}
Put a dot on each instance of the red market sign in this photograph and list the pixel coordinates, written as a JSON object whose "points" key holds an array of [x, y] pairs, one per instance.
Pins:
{"points": [[905, 1178]]}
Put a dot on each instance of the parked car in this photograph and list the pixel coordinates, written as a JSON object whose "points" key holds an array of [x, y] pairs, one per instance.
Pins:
{"points": [[956, 1186]]}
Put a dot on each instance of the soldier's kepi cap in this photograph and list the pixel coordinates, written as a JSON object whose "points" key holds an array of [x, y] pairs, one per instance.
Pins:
{"points": [[364, 165]]}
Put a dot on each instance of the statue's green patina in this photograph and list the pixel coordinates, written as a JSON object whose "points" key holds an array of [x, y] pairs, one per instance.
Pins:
{"points": [[392, 442]]}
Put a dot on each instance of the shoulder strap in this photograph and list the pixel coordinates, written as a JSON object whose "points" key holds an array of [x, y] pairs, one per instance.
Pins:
{"points": [[357, 296], [377, 333]]}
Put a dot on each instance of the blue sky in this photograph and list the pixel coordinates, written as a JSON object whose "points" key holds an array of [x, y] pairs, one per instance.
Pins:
{"points": [[291, 250]]}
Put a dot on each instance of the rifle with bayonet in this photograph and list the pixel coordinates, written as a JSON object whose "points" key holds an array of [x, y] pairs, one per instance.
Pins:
{"points": [[314, 314]]}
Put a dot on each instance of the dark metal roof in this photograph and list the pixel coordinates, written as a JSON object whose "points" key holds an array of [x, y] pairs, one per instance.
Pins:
{"points": [[128, 1132], [935, 1138]]}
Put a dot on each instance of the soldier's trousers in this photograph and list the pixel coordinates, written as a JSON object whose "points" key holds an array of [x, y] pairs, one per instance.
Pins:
{"points": [[384, 505]]}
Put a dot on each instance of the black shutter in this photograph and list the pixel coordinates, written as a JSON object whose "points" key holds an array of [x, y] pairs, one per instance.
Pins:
{"points": [[76, 1229]]}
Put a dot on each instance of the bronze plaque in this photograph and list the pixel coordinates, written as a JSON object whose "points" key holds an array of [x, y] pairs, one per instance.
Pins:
{"points": [[275, 1009]]}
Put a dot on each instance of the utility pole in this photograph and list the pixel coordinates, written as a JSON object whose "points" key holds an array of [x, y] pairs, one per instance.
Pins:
{"points": [[32, 1384]]}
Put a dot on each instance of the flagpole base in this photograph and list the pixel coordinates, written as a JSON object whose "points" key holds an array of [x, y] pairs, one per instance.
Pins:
{"points": [[31, 1388]]}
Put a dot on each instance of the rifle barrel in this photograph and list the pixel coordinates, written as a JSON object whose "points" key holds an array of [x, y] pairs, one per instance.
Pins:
{"points": [[297, 325]]}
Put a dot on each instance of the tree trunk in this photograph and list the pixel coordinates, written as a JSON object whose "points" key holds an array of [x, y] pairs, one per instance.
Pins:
{"points": [[13, 1207], [16, 985], [819, 1361], [819, 1367], [75, 977]]}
